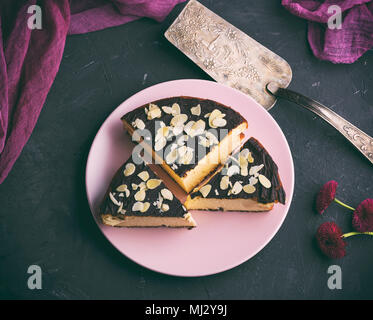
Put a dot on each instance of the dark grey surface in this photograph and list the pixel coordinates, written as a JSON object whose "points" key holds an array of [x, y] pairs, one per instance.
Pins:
{"points": [[45, 219]]}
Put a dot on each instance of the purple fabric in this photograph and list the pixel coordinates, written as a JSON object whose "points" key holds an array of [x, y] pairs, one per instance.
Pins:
{"points": [[29, 59], [343, 45]]}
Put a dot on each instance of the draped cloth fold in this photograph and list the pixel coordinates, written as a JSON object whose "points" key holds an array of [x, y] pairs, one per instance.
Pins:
{"points": [[30, 58], [343, 45]]}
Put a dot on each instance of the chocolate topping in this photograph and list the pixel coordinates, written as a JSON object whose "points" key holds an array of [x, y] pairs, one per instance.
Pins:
{"points": [[275, 193], [113, 198], [233, 119]]}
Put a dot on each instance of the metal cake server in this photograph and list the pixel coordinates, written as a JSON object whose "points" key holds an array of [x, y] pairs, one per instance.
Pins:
{"points": [[233, 58]]}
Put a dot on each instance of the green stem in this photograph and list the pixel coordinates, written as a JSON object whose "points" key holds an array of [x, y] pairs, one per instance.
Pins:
{"points": [[343, 204], [346, 235]]}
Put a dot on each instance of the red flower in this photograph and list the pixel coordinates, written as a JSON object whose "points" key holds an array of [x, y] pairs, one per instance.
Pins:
{"points": [[326, 196], [362, 220], [329, 238]]}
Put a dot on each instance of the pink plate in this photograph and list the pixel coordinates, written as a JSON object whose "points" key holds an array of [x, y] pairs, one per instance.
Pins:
{"points": [[222, 240]]}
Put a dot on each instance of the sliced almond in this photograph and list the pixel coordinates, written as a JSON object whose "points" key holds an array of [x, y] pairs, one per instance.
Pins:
{"points": [[140, 195], [237, 188], [171, 156], [162, 132], [122, 188], [250, 158], [145, 207], [197, 128], [178, 129], [224, 183], [120, 207], [167, 109], [153, 183], [182, 151], [246, 154], [112, 198], [142, 185], [204, 142], [167, 194], [264, 181], [178, 120], [244, 172], [255, 169], [205, 190], [138, 206], [219, 122], [214, 114], [175, 109], [129, 169], [139, 124], [253, 181], [159, 145], [188, 157], [212, 138], [196, 110], [134, 186], [207, 115], [232, 170], [153, 112], [188, 127], [165, 207], [144, 175], [249, 188]]}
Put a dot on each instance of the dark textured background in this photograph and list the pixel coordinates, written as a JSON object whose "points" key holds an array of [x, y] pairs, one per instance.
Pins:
{"points": [[45, 219]]}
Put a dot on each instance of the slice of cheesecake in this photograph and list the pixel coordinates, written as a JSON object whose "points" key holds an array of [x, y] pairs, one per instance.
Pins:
{"points": [[136, 197], [189, 137], [249, 181]]}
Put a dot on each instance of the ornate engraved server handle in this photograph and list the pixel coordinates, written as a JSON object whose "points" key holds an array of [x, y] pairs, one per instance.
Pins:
{"points": [[362, 141]]}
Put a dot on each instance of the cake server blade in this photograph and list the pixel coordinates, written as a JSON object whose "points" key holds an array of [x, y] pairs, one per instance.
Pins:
{"points": [[227, 54], [233, 58]]}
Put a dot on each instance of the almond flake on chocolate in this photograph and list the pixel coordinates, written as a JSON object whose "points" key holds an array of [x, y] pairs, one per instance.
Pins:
{"points": [[145, 207], [112, 198], [175, 109], [178, 120], [139, 124], [167, 109], [153, 183], [232, 170], [249, 188], [255, 169], [153, 112], [205, 190], [144, 175], [237, 188], [137, 206], [264, 181], [196, 110], [122, 188], [167, 194], [129, 169], [224, 182], [140, 195]]}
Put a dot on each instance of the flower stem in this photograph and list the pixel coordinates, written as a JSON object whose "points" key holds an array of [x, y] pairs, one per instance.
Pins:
{"points": [[346, 235], [343, 204]]}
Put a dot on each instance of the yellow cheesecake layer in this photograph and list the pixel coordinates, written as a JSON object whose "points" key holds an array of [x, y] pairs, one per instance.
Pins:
{"points": [[149, 221], [200, 203]]}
